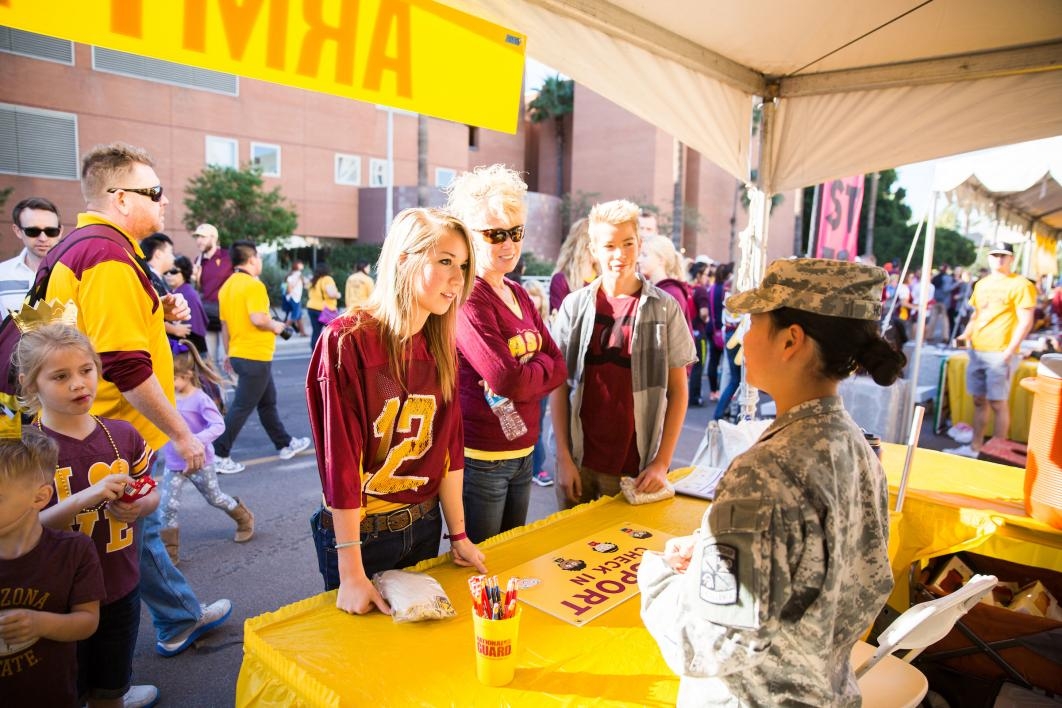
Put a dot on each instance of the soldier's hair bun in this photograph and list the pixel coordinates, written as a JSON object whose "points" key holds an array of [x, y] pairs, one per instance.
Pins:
{"points": [[845, 345]]}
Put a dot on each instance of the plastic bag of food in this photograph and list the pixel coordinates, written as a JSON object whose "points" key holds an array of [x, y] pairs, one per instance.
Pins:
{"points": [[627, 485], [413, 597]]}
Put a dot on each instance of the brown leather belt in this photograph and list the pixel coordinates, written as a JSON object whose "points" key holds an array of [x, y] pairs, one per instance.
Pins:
{"points": [[397, 520]]}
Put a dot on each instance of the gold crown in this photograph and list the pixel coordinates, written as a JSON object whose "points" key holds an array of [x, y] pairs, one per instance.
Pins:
{"points": [[44, 313]]}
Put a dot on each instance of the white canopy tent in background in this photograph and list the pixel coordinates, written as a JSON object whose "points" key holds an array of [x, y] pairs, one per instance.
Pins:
{"points": [[1018, 187], [845, 87]]}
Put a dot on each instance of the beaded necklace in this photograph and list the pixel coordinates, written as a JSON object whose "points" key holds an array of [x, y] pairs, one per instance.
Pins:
{"points": [[120, 466]]}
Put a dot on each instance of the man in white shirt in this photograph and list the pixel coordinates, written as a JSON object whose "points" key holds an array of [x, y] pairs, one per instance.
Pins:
{"points": [[35, 222]]}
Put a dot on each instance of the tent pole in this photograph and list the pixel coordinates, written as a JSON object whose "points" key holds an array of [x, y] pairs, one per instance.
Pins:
{"points": [[923, 301], [813, 225]]}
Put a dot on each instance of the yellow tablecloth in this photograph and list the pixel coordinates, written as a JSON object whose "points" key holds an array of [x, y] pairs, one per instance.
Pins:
{"points": [[961, 403], [954, 503], [309, 653]]}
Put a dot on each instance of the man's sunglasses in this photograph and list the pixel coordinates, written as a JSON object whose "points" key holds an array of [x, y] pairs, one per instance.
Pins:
{"points": [[152, 193], [496, 236], [35, 231]]}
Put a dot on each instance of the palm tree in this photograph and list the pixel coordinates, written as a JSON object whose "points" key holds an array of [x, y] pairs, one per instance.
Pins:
{"points": [[555, 100]]}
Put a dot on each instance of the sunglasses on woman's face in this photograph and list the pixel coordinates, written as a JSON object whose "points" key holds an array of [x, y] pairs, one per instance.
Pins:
{"points": [[496, 236], [172, 272]]}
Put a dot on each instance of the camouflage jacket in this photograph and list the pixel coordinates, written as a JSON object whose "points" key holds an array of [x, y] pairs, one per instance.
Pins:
{"points": [[789, 568]]}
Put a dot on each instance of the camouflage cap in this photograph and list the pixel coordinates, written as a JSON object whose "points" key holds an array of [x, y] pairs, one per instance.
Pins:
{"points": [[826, 287]]}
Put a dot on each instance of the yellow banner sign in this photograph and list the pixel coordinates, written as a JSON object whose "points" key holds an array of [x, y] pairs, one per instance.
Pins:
{"points": [[416, 55], [589, 577]]}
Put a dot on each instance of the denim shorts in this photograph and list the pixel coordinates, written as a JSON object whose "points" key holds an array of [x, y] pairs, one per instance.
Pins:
{"points": [[383, 550], [988, 375], [105, 660]]}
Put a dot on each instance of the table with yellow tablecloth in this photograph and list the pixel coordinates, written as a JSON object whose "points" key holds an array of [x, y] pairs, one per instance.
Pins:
{"points": [[312, 654], [961, 403], [954, 503]]}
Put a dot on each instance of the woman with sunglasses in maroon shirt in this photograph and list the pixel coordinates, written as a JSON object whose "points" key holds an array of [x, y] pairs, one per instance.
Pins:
{"points": [[508, 363]]}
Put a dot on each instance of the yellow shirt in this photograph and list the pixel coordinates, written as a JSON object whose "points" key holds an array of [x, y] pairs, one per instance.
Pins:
{"points": [[120, 313], [241, 295], [997, 299], [317, 298], [359, 288]]}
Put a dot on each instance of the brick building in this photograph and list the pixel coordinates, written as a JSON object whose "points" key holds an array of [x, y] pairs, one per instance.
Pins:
{"points": [[327, 154]]}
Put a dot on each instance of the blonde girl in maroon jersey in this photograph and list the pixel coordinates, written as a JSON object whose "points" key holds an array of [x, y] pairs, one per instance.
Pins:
{"points": [[381, 392]]}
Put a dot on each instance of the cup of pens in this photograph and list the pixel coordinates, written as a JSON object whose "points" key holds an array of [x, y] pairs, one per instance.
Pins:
{"points": [[496, 621]]}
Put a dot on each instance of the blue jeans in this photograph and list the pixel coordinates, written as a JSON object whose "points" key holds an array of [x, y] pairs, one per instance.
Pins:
{"points": [[167, 594], [383, 550], [496, 495], [538, 455], [732, 384], [315, 326], [697, 370]]}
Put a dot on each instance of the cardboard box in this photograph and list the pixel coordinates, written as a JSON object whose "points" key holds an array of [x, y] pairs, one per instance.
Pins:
{"points": [[952, 576]]}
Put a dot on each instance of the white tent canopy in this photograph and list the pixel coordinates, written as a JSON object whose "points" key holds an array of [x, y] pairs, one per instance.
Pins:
{"points": [[857, 86], [1017, 185]]}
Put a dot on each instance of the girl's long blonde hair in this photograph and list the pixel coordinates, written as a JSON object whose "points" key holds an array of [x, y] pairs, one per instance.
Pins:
{"points": [[575, 260], [409, 246], [33, 351]]}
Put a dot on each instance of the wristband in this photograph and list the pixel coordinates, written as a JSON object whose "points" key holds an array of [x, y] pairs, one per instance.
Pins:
{"points": [[348, 544], [455, 537]]}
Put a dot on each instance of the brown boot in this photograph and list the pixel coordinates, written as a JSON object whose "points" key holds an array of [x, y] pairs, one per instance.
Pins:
{"points": [[171, 538], [244, 522]]}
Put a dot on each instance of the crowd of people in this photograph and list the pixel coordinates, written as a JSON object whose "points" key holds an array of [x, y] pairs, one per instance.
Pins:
{"points": [[427, 394]]}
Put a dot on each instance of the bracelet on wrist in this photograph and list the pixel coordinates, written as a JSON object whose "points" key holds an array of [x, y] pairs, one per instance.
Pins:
{"points": [[347, 544], [455, 537]]}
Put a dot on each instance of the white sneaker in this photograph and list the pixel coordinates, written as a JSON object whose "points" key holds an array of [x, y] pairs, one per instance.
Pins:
{"points": [[141, 696], [227, 465], [213, 614], [294, 447], [964, 450]]}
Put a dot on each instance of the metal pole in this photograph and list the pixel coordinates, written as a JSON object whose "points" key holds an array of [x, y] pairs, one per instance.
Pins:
{"points": [[923, 299], [389, 210], [813, 225], [872, 210]]}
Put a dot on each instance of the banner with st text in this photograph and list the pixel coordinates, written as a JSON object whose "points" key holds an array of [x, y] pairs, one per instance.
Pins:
{"points": [[416, 55], [838, 232]]}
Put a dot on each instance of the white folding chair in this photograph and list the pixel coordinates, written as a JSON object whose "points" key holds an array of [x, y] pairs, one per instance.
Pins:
{"points": [[888, 681]]}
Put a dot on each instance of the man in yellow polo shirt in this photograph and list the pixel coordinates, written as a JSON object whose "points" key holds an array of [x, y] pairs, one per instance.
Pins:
{"points": [[1003, 305], [248, 333]]}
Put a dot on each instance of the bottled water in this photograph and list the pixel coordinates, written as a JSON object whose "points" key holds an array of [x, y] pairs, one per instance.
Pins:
{"points": [[512, 424]]}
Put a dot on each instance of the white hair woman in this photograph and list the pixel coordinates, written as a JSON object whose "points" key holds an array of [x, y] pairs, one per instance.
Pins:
{"points": [[505, 354]]}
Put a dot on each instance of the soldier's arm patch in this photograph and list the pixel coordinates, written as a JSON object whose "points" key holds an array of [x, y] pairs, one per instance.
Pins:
{"points": [[729, 563]]}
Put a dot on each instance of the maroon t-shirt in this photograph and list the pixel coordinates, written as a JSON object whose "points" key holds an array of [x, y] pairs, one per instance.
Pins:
{"points": [[610, 444], [82, 463], [60, 572], [213, 272]]}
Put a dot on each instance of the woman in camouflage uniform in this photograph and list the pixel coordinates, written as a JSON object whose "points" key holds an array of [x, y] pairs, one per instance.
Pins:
{"points": [[763, 603]]}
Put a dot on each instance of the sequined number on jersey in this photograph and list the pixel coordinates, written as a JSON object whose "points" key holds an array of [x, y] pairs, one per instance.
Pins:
{"points": [[397, 417], [121, 534]]}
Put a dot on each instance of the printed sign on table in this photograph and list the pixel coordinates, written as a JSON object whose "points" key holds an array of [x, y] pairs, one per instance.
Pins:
{"points": [[588, 577]]}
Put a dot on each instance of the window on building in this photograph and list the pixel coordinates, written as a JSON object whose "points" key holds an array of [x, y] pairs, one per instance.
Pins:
{"points": [[473, 137], [348, 170], [37, 46], [222, 152], [164, 72], [38, 143], [267, 157], [444, 176], [377, 173]]}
